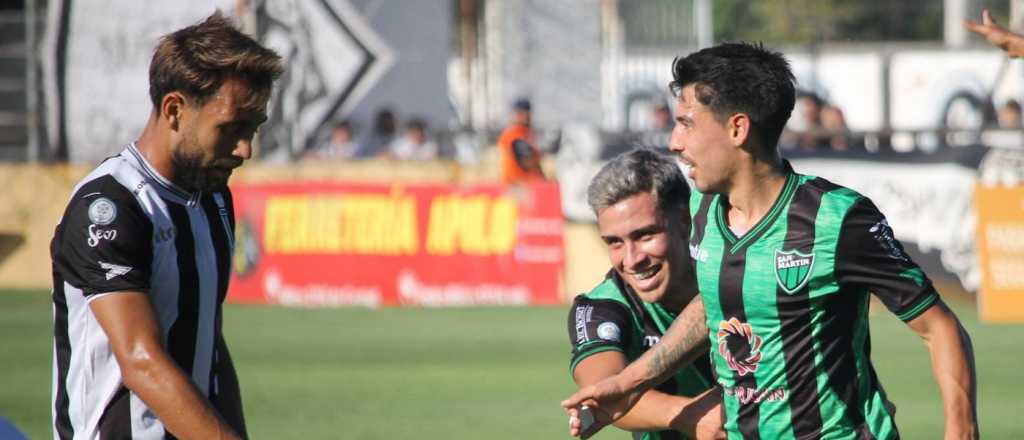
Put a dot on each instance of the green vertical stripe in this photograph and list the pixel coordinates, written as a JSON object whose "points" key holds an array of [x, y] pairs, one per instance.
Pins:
{"points": [[713, 246], [827, 225]]}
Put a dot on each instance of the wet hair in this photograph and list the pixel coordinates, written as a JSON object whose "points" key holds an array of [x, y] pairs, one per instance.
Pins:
{"points": [[196, 60], [639, 171], [741, 78]]}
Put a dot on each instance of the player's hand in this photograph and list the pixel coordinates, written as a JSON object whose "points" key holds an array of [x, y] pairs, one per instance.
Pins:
{"points": [[607, 400], [999, 36]]}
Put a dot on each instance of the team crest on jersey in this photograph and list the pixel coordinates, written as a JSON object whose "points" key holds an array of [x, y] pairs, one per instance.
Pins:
{"points": [[740, 347], [609, 332], [792, 269], [102, 211]]}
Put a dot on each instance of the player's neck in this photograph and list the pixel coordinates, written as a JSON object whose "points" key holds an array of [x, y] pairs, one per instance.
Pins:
{"points": [[155, 149], [753, 191]]}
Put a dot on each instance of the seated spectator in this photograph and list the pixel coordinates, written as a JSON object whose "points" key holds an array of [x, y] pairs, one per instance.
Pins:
{"points": [[833, 124], [414, 145], [339, 146], [810, 137], [378, 141], [1009, 115]]}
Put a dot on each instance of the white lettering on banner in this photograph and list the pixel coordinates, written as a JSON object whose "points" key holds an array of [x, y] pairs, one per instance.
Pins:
{"points": [[1007, 238], [537, 254], [540, 226], [96, 234], [412, 291], [1007, 272], [318, 295]]}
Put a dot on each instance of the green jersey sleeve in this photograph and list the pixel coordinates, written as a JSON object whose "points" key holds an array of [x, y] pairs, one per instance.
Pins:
{"points": [[869, 255]]}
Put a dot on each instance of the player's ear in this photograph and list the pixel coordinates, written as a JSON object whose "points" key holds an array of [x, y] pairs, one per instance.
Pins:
{"points": [[171, 107], [739, 126]]}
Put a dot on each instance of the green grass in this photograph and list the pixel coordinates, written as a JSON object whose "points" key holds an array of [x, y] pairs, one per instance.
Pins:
{"points": [[459, 373]]}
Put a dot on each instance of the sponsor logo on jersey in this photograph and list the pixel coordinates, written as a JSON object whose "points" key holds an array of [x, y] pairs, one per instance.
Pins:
{"points": [[582, 316], [649, 341], [114, 270], [698, 254], [739, 346], [609, 332], [97, 234], [792, 269], [884, 235], [102, 211], [747, 395], [164, 234]]}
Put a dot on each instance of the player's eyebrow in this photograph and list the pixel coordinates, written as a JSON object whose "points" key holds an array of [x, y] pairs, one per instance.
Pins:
{"points": [[646, 230]]}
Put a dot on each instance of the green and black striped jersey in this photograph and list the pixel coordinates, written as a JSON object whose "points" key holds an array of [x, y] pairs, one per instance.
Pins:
{"points": [[613, 317], [787, 311]]}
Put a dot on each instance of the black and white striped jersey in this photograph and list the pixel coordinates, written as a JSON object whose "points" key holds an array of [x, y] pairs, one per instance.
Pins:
{"points": [[126, 228]]}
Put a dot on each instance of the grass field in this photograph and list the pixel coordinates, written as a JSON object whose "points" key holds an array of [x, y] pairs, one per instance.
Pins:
{"points": [[460, 373]]}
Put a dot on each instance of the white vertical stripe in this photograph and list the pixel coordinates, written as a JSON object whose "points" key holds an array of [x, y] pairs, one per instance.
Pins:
{"points": [[206, 266], [75, 382]]}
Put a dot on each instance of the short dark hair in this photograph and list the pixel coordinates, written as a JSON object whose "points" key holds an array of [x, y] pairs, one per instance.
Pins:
{"points": [[196, 60], [639, 171], [741, 78]]}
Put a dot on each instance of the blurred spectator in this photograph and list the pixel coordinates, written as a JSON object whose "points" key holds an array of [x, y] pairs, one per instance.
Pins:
{"points": [[378, 141], [517, 153], [1009, 115], [339, 146], [810, 137], [663, 121], [414, 144], [833, 124]]}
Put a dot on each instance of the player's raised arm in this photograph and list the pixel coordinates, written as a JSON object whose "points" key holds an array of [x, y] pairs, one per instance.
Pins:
{"points": [[614, 396], [999, 36], [148, 371], [952, 359]]}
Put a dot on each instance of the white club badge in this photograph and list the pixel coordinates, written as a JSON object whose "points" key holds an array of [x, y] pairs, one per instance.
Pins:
{"points": [[609, 332], [102, 211]]}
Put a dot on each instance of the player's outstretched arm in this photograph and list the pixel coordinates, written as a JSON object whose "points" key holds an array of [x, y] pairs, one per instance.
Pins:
{"points": [[952, 359], [999, 36], [127, 319], [656, 411], [613, 397]]}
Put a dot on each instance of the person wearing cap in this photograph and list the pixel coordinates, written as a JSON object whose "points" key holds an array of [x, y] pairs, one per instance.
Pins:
{"points": [[517, 151]]}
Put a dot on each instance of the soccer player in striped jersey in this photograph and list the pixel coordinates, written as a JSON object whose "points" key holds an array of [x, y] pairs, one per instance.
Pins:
{"points": [[785, 264], [640, 199], [141, 257]]}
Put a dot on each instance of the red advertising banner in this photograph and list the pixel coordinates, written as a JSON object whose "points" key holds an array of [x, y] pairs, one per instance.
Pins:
{"points": [[339, 244]]}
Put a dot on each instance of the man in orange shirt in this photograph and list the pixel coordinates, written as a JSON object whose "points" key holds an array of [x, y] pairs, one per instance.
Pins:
{"points": [[520, 159]]}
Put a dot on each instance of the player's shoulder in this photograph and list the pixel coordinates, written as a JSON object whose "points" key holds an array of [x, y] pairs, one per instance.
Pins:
{"points": [[110, 188], [815, 188], [605, 291]]}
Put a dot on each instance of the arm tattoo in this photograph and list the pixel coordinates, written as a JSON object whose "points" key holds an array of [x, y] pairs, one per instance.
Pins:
{"points": [[686, 339]]}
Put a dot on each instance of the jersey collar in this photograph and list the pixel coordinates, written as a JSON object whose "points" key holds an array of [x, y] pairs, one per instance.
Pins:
{"points": [[737, 244], [190, 198]]}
